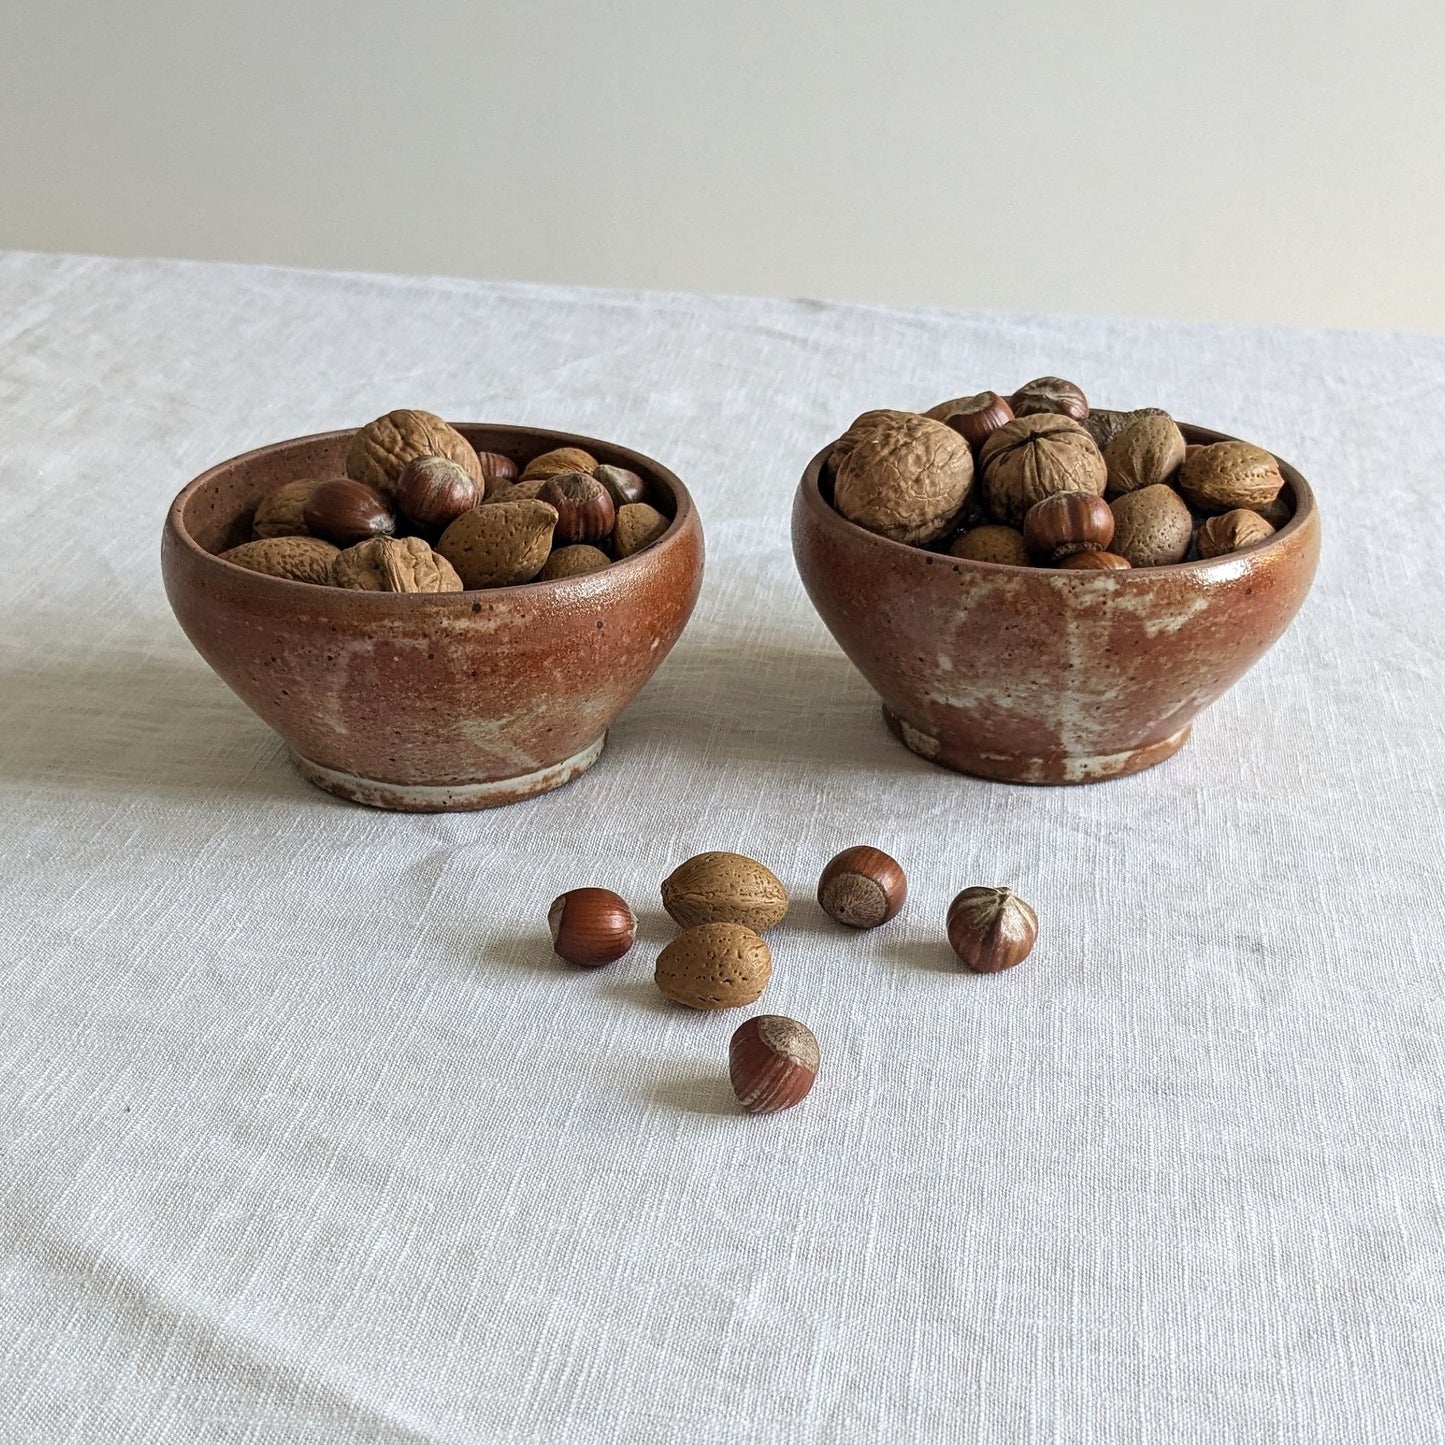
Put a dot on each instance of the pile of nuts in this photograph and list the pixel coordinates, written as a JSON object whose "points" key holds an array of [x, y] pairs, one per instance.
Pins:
{"points": [[1059, 484], [725, 902], [420, 510]]}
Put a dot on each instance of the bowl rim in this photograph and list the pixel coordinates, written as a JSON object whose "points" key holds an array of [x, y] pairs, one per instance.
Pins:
{"points": [[1305, 510], [684, 510]]}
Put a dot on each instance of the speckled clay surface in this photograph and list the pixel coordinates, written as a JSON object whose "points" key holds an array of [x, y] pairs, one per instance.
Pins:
{"points": [[1035, 675], [432, 701]]}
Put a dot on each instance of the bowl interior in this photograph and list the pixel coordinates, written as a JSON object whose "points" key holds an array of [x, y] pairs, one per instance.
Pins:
{"points": [[214, 512], [1296, 492]]}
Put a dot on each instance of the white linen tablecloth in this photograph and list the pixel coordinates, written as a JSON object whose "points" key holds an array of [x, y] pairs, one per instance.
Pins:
{"points": [[306, 1136]]}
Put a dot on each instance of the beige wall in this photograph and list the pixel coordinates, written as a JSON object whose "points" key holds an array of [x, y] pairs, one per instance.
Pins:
{"points": [[1248, 162]]}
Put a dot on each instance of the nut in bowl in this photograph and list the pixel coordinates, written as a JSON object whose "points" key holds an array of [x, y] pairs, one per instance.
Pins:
{"points": [[1095, 663], [411, 692]]}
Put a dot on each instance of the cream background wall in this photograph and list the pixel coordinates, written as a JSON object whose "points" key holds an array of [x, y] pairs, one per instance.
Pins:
{"points": [[1228, 161]]}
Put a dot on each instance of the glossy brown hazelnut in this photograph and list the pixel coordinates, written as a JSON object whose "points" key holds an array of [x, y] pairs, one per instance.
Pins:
{"points": [[772, 1063], [1094, 562], [991, 929], [497, 470], [862, 887], [591, 926], [974, 418], [1066, 523], [623, 485], [433, 491], [585, 511], [1050, 394], [345, 512]]}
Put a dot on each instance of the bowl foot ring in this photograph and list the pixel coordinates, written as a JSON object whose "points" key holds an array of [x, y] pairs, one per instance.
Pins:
{"points": [[1022, 768], [448, 797]]}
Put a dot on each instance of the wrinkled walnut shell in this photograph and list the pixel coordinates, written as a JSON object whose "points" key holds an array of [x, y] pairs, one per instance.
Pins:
{"points": [[1033, 457], [1231, 532], [1226, 475], [394, 564], [381, 448], [1152, 527], [279, 512], [1050, 396], [1149, 450], [904, 476], [500, 544], [557, 461], [299, 559]]}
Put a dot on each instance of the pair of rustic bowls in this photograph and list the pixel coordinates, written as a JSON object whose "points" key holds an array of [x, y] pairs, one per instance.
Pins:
{"points": [[450, 701]]}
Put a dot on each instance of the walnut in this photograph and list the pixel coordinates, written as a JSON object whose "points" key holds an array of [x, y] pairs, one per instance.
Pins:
{"points": [[1149, 449], [394, 564], [1050, 396], [501, 543], [1232, 532], [1226, 475], [1031, 458], [278, 513], [1104, 425], [560, 459], [300, 559], [381, 448], [902, 475], [1152, 526], [838, 452]]}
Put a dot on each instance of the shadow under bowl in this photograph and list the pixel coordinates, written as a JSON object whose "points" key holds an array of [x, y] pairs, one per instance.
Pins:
{"points": [[1041, 675], [429, 702]]}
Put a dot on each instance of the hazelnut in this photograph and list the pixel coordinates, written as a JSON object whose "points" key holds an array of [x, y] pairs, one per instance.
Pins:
{"points": [[1066, 523], [1231, 532], [298, 559], [623, 485], [433, 491], [1152, 527], [346, 511], [591, 926], [394, 564], [1050, 395], [278, 513], [862, 887], [903, 476], [558, 460], [574, 562], [497, 470], [991, 929], [724, 888], [715, 965], [638, 525], [1104, 425], [585, 512], [381, 448], [991, 543], [1226, 475], [1033, 457], [974, 418], [1150, 449], [500, 544], [772, 1062], [1094, 562]]}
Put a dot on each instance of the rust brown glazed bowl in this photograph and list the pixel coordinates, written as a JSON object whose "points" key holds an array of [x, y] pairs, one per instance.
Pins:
{"points": [[1039, 675], [432, 701]]}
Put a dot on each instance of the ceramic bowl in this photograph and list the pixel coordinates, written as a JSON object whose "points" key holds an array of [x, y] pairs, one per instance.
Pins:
{"points": [[1036, 675], [432, 701]]}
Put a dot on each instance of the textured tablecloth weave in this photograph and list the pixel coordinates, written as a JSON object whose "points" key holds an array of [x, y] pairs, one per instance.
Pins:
{"points": [[304, 1134]]}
